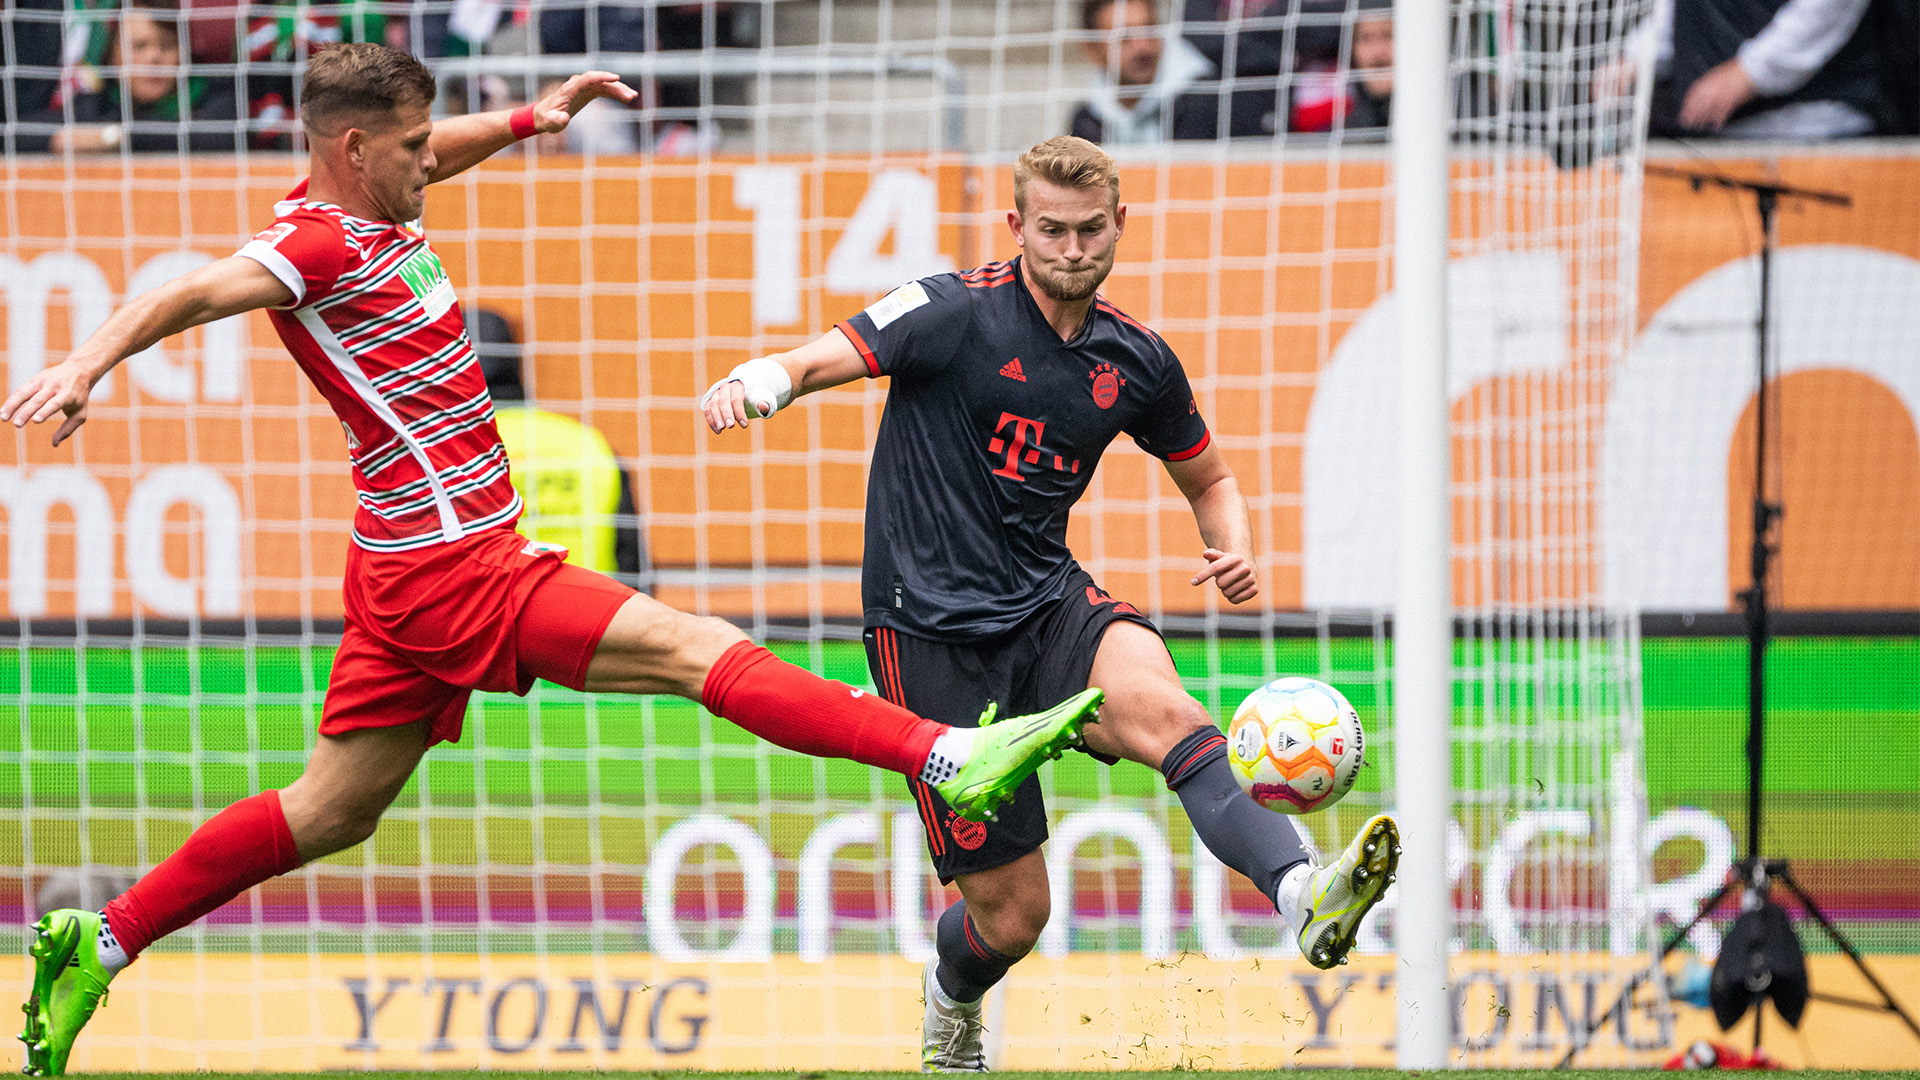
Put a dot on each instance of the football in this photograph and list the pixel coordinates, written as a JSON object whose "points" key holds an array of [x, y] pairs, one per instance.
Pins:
{"points": [[1296, 745]]}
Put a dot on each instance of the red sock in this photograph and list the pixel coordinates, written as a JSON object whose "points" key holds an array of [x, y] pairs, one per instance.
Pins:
{"points": [[236, 849], [794, 708]]}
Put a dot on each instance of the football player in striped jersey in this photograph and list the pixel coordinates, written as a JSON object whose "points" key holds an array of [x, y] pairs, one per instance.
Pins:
{"points": [[442, 597]]}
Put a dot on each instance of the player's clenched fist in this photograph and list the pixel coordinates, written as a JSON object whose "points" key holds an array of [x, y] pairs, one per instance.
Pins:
{"points": [[1232, 573], [757, 388]]}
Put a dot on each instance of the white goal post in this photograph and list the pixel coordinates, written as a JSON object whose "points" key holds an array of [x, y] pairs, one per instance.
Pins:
{"points": [[1423, 611]]}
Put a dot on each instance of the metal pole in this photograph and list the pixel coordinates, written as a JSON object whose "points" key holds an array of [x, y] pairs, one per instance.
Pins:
{"points": [[1423, 616], [1761, 553]]}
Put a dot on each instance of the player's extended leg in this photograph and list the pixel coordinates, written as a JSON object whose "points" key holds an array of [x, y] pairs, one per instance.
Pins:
{"points": [[995, 924], [650, 648], [1150, 718], [349, 781]]}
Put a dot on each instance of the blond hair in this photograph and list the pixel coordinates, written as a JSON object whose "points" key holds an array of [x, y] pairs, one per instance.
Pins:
{"points": [[1067, 161]]}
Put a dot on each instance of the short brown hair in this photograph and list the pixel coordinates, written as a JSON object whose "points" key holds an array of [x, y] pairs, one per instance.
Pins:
{"points": [[1068, 161], [347, 81]]}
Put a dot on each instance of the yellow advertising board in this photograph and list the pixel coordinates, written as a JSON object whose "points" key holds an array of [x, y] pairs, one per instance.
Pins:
{"points": [[174, 1012]]}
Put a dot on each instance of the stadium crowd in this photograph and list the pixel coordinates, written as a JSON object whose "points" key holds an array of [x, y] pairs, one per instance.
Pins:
{"points": [[95, 76]]}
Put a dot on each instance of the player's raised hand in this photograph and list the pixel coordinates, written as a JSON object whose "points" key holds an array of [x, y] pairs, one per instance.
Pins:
{"points": [[725, 405], [62, 388], [557, 109], [758, 388], [1232, 573]]}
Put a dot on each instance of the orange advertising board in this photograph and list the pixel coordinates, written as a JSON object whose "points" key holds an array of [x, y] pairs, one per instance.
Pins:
{"points": [[211, 479]]}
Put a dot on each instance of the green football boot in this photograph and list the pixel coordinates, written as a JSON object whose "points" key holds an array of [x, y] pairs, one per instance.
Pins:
{"points": [[1334, 898], [1008, 751], [68, 984]]}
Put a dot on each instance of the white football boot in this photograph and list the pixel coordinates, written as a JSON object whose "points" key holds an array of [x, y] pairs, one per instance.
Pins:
{"points": [[951, 1033], [1332, 899]]}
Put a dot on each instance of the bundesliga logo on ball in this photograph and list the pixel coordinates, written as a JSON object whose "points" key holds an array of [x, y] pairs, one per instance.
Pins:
{"points": [[1296, 745]]}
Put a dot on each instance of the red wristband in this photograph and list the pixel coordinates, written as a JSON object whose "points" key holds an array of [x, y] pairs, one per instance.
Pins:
{"points": [[521, 122]]}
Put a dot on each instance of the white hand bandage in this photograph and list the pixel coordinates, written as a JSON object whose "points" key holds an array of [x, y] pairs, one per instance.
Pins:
{"points": [[766, 382]]}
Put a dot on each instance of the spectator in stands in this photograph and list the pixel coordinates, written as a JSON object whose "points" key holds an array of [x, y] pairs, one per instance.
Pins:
{"points": [[1358, 97], [607, 26], [1759, 69], [1144, 85], [32, 29], [1257, 46], [1894, 25], [576, 493], [277, 37], [141, 100]]}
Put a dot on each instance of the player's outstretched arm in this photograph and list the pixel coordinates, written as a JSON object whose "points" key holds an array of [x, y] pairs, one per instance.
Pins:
{"points": [[760, 386], [461, 142], [1221, 512], [215, 291]]}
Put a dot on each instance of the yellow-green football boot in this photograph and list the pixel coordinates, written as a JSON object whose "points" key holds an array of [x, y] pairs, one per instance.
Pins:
{"points": [[69, 983], [1334, 898], [1006, 752]]}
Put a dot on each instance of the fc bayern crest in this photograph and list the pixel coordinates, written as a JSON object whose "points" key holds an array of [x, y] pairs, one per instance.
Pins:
{"points": [[968, 834], [1106, 385]]}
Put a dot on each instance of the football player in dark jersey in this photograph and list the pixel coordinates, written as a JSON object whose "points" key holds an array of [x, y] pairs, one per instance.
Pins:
{"points": [[1008, 383]]}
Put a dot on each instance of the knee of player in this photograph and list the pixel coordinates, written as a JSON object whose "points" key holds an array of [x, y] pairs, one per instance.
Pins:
{"points": [[1015, 928], [704, 639], [696, 635], [725, 634], [350, 822], [1188, 715], [1177, 715]]}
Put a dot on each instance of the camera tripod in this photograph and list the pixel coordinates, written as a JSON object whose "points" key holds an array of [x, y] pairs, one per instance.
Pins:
{"points": [[1755, 876]]}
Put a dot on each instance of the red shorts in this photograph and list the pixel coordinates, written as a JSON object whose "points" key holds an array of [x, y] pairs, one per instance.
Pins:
{"points": [[491, 611]]}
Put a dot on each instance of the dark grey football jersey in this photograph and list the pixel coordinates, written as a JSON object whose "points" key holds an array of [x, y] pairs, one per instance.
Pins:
{"points": [[993, 427]]}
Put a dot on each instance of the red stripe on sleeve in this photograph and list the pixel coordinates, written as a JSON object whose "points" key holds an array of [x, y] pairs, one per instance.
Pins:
{"points": [[1193, 450], [1107, 306], [873, 365]]}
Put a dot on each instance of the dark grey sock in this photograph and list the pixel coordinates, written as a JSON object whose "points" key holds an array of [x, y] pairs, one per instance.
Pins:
{"points": [[1249, 838], [968, 966]]}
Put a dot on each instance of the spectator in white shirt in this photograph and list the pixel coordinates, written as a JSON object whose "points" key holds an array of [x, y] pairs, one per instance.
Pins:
{"points": [[1767, 69]]}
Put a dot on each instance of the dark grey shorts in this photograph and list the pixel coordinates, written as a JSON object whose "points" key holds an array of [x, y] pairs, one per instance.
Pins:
{"points": [[1044, 660]]}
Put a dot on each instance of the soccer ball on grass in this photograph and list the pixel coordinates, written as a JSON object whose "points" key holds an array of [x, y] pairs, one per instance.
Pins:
{"points": [[1296, 745]]}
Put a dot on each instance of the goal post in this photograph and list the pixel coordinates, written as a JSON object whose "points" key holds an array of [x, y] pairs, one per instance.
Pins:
{"points": [[1423, 607]]}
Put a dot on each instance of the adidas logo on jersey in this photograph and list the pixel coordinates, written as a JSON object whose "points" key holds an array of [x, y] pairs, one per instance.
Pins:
{"points": [[1012, 370]]}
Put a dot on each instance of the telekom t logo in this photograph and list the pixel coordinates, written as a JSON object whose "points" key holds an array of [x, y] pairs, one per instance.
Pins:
{"points": [[1019, 445]]}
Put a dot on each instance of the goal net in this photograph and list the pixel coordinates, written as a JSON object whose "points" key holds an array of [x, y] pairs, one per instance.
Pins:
{"points": [[615, 882]]}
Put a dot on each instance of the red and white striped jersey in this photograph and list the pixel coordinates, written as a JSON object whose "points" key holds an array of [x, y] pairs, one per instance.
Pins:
{"points": [[374, 323]]}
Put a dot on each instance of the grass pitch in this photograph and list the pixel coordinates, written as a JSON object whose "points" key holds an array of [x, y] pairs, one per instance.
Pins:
{"points": [[1357, 1074]]}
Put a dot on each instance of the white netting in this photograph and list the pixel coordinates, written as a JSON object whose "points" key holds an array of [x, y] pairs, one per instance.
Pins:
{"points": [[631, 882]]}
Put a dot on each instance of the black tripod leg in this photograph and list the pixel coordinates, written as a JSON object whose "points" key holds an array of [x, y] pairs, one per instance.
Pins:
{"points": [[1707, 907], [1845, 946]]}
